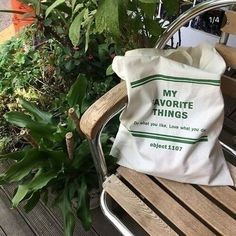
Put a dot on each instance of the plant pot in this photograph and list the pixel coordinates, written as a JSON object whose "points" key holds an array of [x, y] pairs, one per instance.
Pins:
{"points": [[21, 20]]}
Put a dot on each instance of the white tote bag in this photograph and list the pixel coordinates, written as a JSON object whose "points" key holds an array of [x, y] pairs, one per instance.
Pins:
{"points": [[174, 114]]}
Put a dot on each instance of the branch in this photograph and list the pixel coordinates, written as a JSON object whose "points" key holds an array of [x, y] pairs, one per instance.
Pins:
{"points": [[70, 144], [28, 137], [76, 121]]}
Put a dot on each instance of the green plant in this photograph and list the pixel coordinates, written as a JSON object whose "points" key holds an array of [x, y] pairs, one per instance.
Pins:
{"points": [[36, 75], [43, 73], [127, 23], [49, 163]]}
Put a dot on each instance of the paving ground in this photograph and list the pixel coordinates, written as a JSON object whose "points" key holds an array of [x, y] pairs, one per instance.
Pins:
{"points": [[5, 18]]}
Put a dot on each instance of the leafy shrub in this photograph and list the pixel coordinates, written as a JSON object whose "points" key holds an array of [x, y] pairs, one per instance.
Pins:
{"points": [[47, 164], [41, 163], [43, 74]]}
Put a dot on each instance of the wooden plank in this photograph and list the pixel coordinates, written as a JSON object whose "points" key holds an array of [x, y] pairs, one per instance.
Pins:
{"points": [[228, 85], [228, 53], [11, 221], [57, 216], [102, 225], [187, 223], [136, 208], [224, 195], [230, 24], [40, 220], [2, 232], [202, 206]]}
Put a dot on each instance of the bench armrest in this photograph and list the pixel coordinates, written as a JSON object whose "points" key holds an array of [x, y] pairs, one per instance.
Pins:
{"points": [[99, 113]]}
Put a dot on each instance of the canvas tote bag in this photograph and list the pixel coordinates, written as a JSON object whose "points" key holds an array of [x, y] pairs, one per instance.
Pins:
{"points": [[174, 114]]}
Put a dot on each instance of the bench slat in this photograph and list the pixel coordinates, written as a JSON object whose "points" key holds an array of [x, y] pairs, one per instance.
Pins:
{"points": [[228, 86], [224, 195], [202, 206], [136, 208], [228, 53], [187, 223], [230, 26]]}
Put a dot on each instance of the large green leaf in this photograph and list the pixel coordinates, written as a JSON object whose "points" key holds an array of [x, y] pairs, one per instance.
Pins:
{"points": [[83, 210], [64, 203], [62, 8], [53, 6], [18, 118], [24, 121], [73, 2], [108, 16], [77, 91], [19, 170], [82, 161], [14, 155], [34, 158], [40, 180], [42, 129], [32, 201], [74, 30], [109, 70], [77, 8], [56, 159], [32, 109], [20, 194], [149, 9], [153, 27], [171, 7], [89, 22]]}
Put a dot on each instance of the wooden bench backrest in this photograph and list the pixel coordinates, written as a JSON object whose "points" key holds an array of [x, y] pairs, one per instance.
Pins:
{"points": [[228, 84]]}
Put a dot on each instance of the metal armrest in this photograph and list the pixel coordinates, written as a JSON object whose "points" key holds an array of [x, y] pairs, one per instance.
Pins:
{"points": [[95, 118], [99, 113]]}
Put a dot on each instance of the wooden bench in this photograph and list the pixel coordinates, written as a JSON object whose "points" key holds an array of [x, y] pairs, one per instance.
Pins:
{"points": [[160, 206]]}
